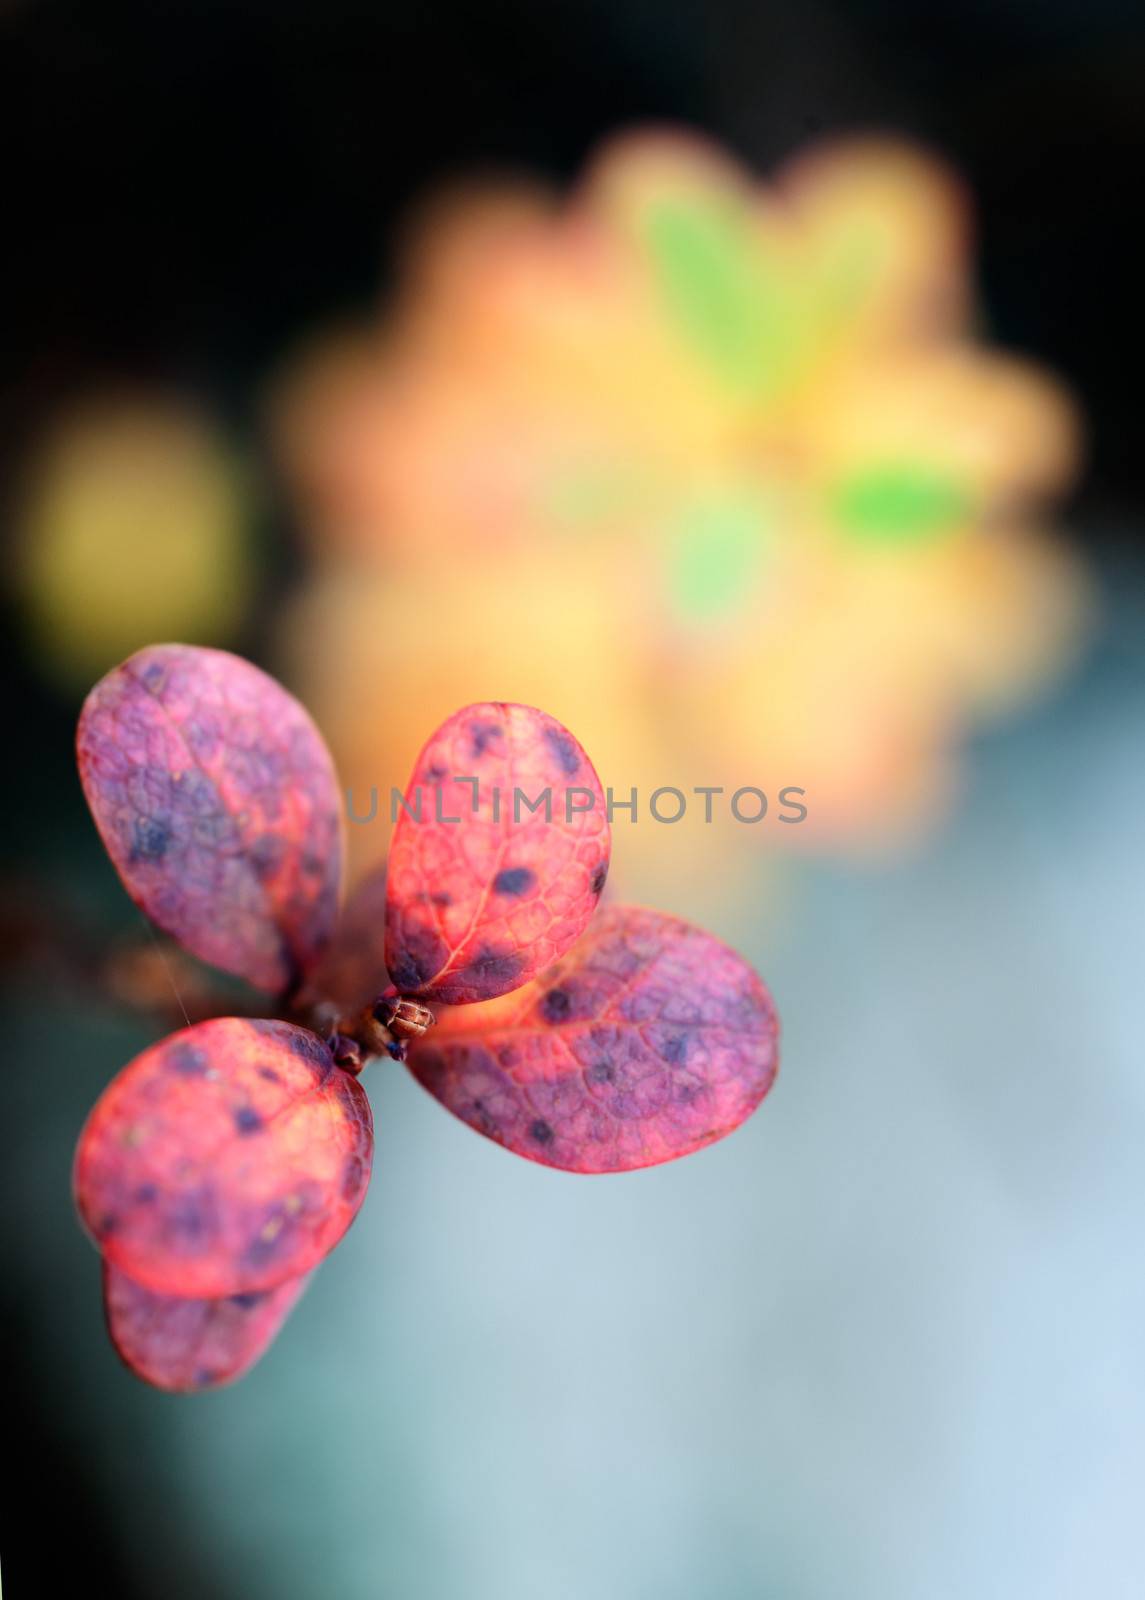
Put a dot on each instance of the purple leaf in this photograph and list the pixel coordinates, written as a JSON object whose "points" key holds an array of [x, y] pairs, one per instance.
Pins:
{"points": [[217, 801], [180, 1344], [647, 1041]]}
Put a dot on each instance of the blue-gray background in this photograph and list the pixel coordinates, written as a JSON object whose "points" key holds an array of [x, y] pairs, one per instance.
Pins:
{"points": [[887, 1341]]}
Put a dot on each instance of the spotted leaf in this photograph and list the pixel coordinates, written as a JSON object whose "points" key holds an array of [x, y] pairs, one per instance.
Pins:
{"points": [[180, 1344], [224, 1160], [507, 862], [217, 801], [647, 1041]]}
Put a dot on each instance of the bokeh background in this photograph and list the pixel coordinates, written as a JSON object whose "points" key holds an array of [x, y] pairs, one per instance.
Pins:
{"points": [[352, 338]]}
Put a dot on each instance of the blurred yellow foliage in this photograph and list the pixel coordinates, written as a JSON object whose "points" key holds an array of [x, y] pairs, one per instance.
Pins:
{"points": [[714, 472], [132, 529]]}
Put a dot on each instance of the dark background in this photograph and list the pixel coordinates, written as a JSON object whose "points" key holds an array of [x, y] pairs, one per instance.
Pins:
{"points": [[194, 184], [204, 179]]}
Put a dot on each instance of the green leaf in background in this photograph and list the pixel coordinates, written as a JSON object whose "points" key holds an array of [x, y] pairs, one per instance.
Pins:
{"points": [[718, 545], [718, 286], [900, 503]]}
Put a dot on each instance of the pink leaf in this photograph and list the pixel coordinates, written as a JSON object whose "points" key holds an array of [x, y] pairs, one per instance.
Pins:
{"points": [[484, 891], [217, 801], [181, 1344], [647, 1041], [224, 1160]]}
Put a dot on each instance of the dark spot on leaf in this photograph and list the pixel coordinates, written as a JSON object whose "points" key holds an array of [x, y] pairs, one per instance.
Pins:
{"points": [[247, 1120], [541, 1132], [555, 1005], [190, 1220], [601, 1072], [269, 1074], [266, 855], [353, 1177], [482, 1118], [562, 746], [187, 1059], [492, 968], [408, 973], [151, 839], [512, 880], [146, 1194], [482, 733], [421, 953], [674, 1049], [248, 1301], [435, 772], [599, 877]]}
